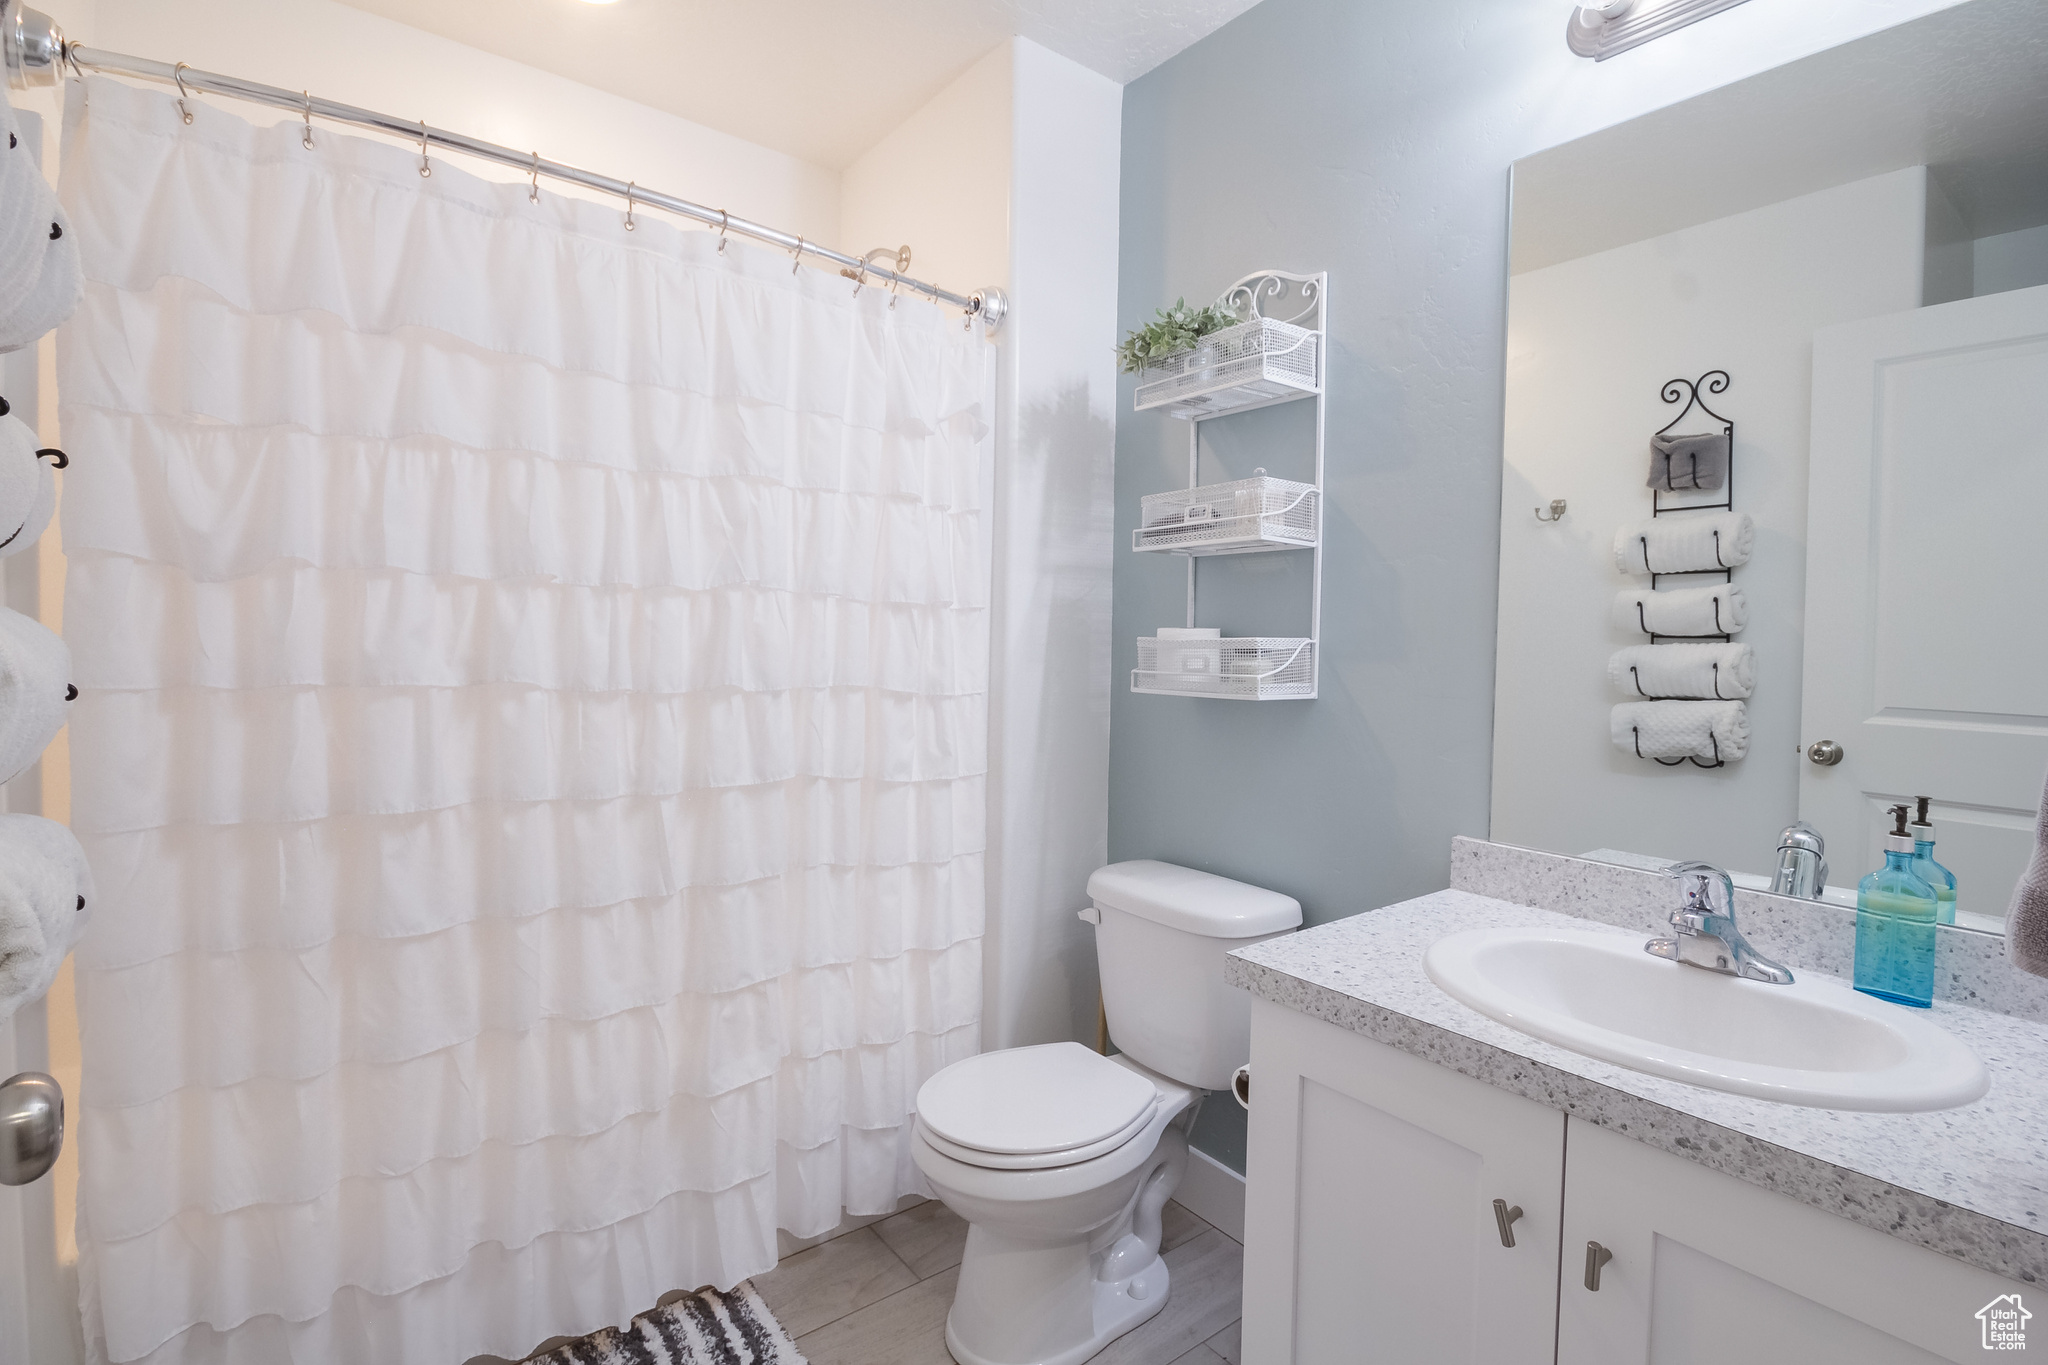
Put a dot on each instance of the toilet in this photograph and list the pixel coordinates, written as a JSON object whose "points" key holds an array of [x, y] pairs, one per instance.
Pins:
{"points": [[1061, 1160]]}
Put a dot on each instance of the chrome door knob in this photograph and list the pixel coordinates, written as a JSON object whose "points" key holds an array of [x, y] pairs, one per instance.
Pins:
{"points": [[1824, 752], [31, 1127]]}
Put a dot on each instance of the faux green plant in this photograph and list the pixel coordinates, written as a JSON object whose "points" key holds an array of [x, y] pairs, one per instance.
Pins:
{"points": [[1177, 329]]}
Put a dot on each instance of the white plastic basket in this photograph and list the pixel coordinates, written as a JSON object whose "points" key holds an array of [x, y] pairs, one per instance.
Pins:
{"points": [[1239, 517], [1246, 366], [1248, 669]]}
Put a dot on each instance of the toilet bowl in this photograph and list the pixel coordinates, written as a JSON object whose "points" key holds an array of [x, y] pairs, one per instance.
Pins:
{"points": [[1063, 1242], [1061, 1160]]}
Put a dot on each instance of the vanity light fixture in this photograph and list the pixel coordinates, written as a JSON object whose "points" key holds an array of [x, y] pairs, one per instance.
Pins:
{"points": [[1605, 27]]}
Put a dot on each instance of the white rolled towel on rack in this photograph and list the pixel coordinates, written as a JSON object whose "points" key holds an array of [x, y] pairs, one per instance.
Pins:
{"points": [[1710, 731], [46, 893], [35, 690], [50, 288], [1716, 672], [28, 490], [1717, 609], [1685, 544]]}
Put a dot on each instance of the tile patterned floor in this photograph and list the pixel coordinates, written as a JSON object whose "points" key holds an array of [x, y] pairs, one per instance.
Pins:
{"points": [[879, 1295]]}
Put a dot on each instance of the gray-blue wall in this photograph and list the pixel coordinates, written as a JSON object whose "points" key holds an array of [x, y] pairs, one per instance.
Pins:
{"points": [[1372, 140], [1340, 136]]}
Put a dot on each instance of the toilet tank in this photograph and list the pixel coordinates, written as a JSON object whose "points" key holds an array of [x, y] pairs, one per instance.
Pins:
{"points": [[1160, 935]]}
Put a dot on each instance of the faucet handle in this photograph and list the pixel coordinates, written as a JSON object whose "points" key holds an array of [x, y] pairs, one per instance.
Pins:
{"points": [[1699, 896]]}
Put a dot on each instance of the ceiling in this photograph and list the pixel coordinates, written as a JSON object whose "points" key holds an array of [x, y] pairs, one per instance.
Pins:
{"points": [[1960, 91], [823, 80]]}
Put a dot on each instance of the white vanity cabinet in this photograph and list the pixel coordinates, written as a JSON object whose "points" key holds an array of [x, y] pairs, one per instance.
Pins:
{"points": [[1370, 1229], [1708, 1269], [1371, 1238]]}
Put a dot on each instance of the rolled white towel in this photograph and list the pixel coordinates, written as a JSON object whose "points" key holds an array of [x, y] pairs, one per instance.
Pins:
{"points": [[1653, 672], [1685, 544], [1706, 730], [28, 490], [1718, 609], [35, 690], [46, 895], [58, 286], [23, 227]]}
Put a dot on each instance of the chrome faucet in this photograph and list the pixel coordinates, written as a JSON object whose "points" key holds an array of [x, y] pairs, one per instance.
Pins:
{"points": [[1703, 932], [1802, 863]]}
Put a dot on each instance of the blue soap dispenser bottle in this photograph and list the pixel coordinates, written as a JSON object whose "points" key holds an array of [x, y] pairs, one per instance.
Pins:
{"points": [[1927, 870], [1895, 918]]}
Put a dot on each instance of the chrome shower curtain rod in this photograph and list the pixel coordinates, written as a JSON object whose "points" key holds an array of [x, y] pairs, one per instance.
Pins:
{"points": [[37, 53]]}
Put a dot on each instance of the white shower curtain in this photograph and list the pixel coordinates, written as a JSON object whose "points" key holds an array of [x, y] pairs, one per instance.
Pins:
{"points": [[531, 745]]}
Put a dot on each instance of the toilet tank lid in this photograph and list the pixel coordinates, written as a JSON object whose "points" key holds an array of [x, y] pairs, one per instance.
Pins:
{"points": [[1197, 902]]}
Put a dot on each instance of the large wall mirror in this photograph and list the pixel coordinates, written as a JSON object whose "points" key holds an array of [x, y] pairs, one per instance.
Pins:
{"points": [[1827, 287]]}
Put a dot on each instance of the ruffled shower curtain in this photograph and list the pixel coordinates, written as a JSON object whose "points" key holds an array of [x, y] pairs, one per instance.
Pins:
{"points": [[531, 745]]}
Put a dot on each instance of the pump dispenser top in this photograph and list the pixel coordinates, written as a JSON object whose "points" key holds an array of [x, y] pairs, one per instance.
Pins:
{"points": [[1934, 874]]}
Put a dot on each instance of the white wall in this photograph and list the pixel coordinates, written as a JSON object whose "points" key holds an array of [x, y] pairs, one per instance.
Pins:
{"points": [[941, 182], [1011, 175], [350, 55], [1055, 508], [1590, 342], [2011, 260]]}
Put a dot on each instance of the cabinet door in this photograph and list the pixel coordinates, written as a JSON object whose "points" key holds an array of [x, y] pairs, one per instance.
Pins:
{"points": [[1708, 1269], [1370, 1232]]}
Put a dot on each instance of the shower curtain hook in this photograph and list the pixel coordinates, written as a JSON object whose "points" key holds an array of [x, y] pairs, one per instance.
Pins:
{"points": [[178, 75], [425, 169], [724, 221], [630, 187], [306, 138], [796, 255], [533, 189]]}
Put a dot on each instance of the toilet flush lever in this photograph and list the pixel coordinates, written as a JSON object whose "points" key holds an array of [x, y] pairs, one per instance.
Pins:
{"points": [[1504, 1216]]}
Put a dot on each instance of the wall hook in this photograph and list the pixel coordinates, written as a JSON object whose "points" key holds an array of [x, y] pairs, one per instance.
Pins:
{"points": [[1556, 511]]}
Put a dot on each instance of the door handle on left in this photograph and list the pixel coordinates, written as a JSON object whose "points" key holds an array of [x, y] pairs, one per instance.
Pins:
{"points": [[31, 1127]]}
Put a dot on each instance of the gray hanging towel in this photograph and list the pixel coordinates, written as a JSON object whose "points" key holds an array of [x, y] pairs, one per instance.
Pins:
{"points": [[2026, 921], [1682, 463]]}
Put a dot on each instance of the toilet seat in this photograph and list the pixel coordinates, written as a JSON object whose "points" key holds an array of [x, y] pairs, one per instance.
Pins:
{"points": [[1029, 1108]]}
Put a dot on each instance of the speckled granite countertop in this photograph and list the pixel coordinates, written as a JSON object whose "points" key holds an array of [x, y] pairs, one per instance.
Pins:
{"points": [[1971, 1183]]}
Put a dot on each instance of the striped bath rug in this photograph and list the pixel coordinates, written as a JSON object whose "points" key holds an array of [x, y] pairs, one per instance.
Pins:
{"points": [[704, 1328]]}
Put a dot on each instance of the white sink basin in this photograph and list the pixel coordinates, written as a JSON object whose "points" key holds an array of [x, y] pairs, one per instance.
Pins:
{"points": [[1813, 1042]]}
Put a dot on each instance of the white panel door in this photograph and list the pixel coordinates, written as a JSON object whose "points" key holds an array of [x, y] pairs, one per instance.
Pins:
{"points": [[1927, 584], [1709, 1270], [1370, 1231]]}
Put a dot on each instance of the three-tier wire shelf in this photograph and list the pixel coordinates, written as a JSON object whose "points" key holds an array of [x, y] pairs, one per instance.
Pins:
{"points": [[1274, 356]]}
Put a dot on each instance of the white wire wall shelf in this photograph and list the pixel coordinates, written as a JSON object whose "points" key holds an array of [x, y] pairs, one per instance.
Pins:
{"points": [[1264, 668], [1252, 365], [1273, 356], [1244, 516]]}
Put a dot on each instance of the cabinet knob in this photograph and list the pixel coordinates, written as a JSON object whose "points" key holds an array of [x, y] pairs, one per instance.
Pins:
{"points": [[1596, 1256], [1505, 1216], [1824, 753]]}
